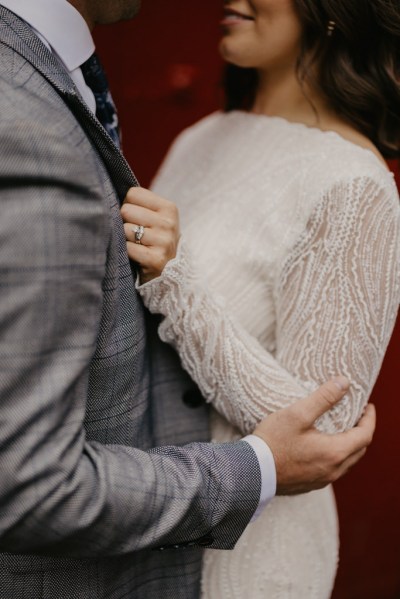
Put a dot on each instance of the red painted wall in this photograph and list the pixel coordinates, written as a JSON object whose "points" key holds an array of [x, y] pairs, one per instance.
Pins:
{"points": [[164, 71]]}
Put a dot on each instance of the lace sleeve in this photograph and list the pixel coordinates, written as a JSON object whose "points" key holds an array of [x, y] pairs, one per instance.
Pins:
{"points": [[336, 294]]}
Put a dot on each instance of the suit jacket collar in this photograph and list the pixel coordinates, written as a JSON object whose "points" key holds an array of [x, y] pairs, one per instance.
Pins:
{"points": [[16, 34], [53, 21]]}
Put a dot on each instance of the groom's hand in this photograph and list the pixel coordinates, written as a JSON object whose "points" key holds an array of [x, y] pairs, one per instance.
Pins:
{"points": [[305, 458]]}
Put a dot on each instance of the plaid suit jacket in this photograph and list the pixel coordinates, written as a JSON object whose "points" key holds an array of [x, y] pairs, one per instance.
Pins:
{"points": [[107, 491]]}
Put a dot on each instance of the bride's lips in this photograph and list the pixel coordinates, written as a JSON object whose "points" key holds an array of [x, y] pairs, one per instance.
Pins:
{"points": [[234, 17]]}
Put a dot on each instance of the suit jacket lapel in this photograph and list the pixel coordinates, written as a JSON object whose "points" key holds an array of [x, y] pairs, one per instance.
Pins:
{"points": [[16, 34]]}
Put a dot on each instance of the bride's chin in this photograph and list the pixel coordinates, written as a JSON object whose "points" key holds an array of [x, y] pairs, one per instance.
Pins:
{"points": [[231, 54]]}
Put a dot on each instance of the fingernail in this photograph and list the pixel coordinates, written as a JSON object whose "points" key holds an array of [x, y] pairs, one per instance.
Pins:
{"points": [[341, 382]]}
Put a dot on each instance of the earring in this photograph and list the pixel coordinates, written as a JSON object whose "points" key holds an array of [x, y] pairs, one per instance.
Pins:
{"points": [[330, 28]]}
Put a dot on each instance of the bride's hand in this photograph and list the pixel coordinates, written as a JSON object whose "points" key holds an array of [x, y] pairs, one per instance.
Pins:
{"points": [[151, 226]]}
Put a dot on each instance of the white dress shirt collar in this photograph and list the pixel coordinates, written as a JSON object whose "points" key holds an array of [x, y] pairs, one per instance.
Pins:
{"points": [[64, 31], [60, 24]]}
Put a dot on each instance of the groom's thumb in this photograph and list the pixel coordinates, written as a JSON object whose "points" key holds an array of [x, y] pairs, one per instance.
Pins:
{"points": [[320, 401]]}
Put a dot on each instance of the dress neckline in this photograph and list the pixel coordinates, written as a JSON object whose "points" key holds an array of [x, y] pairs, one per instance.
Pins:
{"points": [[313, 131]]}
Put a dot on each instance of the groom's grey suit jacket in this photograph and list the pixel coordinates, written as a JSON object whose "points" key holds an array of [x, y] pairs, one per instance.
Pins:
{"points": [[88, 510]]}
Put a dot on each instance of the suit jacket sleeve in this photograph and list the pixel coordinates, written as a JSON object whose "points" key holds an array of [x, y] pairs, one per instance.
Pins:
{"points": [[59, 493]]}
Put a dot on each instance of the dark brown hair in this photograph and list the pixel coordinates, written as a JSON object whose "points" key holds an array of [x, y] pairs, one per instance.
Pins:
{"points": [[358, 65]]}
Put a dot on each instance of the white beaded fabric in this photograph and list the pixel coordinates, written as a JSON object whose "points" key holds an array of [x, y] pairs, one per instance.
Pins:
{"points": [[288, 273]]}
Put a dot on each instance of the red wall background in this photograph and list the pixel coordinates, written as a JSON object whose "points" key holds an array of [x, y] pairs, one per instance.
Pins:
{"points": [[164, 71]]}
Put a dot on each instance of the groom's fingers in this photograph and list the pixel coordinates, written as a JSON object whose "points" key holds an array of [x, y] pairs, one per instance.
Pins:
{"points": [[306, 458], [320, 401], [350, 446], [361, 435]]}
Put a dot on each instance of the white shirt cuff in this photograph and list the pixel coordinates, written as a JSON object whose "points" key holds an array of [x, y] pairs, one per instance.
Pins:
{"points": [[268, 471]]}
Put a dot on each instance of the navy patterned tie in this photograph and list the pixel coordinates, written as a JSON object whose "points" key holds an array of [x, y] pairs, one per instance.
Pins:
{"points": [[106, 112]]}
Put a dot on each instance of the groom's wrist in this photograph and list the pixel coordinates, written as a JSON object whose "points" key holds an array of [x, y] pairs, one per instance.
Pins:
{"points": [[268, 471]]}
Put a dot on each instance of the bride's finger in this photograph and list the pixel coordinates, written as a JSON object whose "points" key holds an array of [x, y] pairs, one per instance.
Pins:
{"points": [[139, 253], [150, 259], [146, 236], [148, 218], [135, 233], [137, 214], [140, 196]]}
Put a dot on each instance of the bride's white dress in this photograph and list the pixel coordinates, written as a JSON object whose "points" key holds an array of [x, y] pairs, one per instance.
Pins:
{"points": [[287, 274]]}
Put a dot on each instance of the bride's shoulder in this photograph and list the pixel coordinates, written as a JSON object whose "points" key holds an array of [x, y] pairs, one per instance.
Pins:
{"points": [[203, 128], [194, 140], [342, 155]]}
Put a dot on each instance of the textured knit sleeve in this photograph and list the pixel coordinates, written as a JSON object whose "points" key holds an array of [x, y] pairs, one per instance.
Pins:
{"points": [[336, 297]]}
